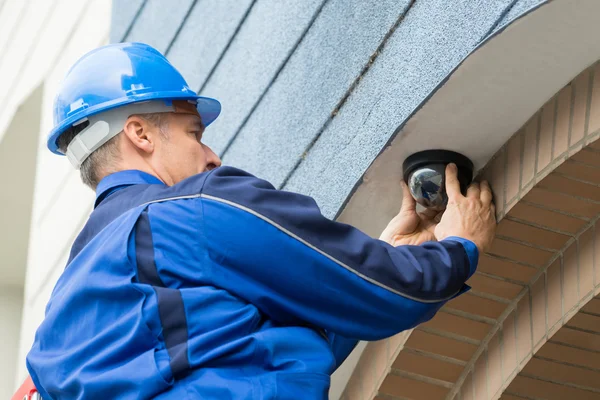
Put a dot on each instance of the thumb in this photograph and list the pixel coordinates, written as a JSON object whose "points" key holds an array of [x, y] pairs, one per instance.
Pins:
{"points": [[408, 202]]}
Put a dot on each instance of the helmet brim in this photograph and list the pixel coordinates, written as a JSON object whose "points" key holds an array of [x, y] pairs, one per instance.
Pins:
{"points": [[208, 108]]}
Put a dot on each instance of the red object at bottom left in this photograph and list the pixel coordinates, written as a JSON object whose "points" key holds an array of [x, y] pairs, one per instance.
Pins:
{"points": [[27, 391]]}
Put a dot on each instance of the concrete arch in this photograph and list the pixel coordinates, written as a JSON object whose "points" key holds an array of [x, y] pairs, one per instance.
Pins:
{"points": [[534, 290]]}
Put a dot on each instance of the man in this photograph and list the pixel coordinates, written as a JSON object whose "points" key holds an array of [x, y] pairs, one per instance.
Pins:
{"points": [[192, 280]]}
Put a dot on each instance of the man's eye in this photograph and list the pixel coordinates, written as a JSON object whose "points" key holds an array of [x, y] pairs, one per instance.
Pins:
{"points": [[197, 134]]}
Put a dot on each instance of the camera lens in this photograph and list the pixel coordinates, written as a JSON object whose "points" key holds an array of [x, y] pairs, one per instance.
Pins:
{"points": [[427, 186]]}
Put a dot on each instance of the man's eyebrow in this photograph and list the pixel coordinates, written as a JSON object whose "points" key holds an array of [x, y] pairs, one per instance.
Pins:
{"points": [[197, 123]]}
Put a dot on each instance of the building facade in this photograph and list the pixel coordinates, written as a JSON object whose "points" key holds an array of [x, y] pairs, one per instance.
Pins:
{"points": [[327, 98], [39, 40]]}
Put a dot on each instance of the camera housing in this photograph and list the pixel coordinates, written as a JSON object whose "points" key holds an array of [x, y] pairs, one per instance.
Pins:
{"points": [[424, 173]]}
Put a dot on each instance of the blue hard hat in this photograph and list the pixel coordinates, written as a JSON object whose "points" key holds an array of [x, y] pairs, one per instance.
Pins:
{"points": [[116, 75]]}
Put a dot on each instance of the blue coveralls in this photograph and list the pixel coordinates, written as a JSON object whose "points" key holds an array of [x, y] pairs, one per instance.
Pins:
{"points": [[221, 287]]}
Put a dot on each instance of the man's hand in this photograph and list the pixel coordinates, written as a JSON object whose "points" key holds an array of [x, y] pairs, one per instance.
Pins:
{"points": [[472, 217], [410, 227]]}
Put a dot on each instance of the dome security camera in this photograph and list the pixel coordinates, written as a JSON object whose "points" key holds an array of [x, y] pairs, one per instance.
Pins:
{"points": [[424, 173]]}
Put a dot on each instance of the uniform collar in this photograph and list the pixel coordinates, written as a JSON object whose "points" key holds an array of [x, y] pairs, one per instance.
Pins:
{"points": [[122, 179]]}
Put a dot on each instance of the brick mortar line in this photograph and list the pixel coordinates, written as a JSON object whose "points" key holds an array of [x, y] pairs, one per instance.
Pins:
{"points": [[468, 315], [578, 329], [588, 104], [546, 310], [488, 296], [501, 350], [578, 268], [591, 149], [572, 346], [385, 396], [522, 396], [510, 260], [501, 278], [505, 178], [563, 312], [537, 143], [554, 126], [435, 356], [576, 179], [566, 363], [538, 226], [450, 335], [421, 378], [546, 208], [526, 244], [581, 198], [523, 130], [487, 371], [577, 162], [561, 383], [571, 113], [593, 314]]}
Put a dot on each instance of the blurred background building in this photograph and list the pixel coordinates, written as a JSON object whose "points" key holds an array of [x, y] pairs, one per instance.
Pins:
{"points": [[41, 203], [327, 98]]}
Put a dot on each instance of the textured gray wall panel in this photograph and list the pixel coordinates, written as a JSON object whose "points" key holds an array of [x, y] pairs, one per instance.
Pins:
{"points": [[258, 51], [433, 38], [206, 33], [158, 23], [280, 138], [517, 9], [122, 15], [299, 102]]}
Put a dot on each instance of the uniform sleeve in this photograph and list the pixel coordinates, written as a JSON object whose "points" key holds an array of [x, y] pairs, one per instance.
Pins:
{"points": [[276, 250], [341, 347]]}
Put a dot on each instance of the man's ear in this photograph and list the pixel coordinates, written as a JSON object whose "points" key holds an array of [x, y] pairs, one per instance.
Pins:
{"points": [[140, 133]]}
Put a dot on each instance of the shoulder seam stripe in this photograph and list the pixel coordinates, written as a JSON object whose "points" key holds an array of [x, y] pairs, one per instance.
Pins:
{"points": [[293, 235], [340, 263]]}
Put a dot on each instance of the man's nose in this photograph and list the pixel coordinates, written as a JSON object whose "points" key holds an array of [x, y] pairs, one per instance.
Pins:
{"points": [[212, 160]]}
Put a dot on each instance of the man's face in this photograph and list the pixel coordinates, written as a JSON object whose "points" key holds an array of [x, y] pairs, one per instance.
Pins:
{"points": [[182, 152]]}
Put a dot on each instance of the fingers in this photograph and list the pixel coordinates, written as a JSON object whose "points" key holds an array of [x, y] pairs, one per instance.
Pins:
{"points": [[452, 184], [486, 193], [473, 191], [408, 202]]}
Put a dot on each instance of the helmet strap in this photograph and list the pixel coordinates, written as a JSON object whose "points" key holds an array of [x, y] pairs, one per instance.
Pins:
{"points": [[103, 127]]}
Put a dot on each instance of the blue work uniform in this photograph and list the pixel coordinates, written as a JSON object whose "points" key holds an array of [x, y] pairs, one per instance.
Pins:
{"points": [[222, 287]]}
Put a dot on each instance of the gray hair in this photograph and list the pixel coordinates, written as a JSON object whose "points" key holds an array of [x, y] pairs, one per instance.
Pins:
{"points": [[104, 160]]}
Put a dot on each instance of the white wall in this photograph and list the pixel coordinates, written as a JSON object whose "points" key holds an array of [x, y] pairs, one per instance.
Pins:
{"points": [[39, 41], [11, 302]]}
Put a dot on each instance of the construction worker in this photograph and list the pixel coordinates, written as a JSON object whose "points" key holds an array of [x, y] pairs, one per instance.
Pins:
{"points": [[193, 280]]}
